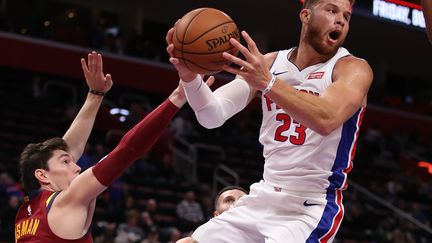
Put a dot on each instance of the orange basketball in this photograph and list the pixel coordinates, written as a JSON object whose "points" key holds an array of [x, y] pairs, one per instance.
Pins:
{"points": [[200, 38]]}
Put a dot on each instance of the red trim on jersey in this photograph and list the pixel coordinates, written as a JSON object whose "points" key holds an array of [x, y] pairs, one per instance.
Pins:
{"points": [[336, 220]]}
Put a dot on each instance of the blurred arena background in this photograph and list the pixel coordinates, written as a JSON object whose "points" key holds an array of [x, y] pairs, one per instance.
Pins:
{"points": [[389, 196]]}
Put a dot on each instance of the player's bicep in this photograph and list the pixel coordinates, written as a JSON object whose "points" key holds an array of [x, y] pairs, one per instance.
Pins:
{"points": [[351, 82], [82, 190]]}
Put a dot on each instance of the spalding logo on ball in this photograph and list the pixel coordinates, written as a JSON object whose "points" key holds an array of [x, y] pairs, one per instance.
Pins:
{"points": [[200, 38]]}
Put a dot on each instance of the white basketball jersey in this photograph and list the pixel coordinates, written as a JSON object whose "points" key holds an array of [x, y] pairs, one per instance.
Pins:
{"points": [[297, 157]]}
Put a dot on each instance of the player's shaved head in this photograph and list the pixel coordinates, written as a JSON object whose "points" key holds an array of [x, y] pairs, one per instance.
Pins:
{"points": [[311, 3]]}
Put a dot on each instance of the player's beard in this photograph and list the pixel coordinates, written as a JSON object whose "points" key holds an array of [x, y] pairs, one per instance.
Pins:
{"points": [[317, 40]]}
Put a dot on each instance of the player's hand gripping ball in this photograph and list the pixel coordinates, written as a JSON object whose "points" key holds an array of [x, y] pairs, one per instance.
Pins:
{"points": [[200, 38]]}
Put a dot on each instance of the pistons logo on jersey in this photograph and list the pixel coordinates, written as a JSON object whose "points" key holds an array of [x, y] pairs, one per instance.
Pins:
{"points": [[316, 75]]}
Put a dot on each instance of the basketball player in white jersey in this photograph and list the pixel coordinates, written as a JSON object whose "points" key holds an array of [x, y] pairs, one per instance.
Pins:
{"points": [[427, 13], [313, 99]]}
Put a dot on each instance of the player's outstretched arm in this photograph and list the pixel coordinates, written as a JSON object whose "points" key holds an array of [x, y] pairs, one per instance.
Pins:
{"points": [[427, 13], [212, 109], [134, 144], [78, 133], [72, 210]]}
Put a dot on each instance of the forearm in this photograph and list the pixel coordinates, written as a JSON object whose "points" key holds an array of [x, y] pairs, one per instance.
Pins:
{"points": [[177, 97], [427, 13], [212, 109], [135, 143], [78, 133]]}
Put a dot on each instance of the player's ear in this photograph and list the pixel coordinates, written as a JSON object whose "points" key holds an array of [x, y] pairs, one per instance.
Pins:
{"points": [[305, 15], [40, 174], [215, 213]]}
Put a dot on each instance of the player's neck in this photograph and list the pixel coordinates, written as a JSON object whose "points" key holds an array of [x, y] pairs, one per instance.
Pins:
{"points": [[305, 55], [47, 188]]}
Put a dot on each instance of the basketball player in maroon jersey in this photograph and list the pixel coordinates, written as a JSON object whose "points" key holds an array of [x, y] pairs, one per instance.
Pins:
{"points": [[61, 201], [427, 13]]}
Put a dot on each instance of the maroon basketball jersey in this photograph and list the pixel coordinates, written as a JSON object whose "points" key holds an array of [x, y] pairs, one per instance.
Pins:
{"points": [[31, 223]]}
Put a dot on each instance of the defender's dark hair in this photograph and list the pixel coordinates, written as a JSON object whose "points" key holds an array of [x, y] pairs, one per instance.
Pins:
{"points": [[35, 156], [228, 188]]}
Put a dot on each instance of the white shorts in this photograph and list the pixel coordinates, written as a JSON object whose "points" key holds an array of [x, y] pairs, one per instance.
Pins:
{"points": [[274, 215]]}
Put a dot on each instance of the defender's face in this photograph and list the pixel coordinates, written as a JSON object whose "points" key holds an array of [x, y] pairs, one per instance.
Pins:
{"points": [[62, 170], [328, 25], [227, 199]]}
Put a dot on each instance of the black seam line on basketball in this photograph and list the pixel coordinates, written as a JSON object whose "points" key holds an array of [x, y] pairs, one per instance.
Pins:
{"points": [[183, 43], [205, 53], [185, 32], [184, 59], [192, 19], [176, 36]]}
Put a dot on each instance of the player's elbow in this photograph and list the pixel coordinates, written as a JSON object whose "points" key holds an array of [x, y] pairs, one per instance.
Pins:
{"points": [[324, 130], [325, 126], [212, 116], [209, 123]]}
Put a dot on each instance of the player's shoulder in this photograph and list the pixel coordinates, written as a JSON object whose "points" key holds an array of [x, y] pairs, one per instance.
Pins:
{"points": [[270, 58], [345, 56], [352, 62], [352, 66], [272, 54]]}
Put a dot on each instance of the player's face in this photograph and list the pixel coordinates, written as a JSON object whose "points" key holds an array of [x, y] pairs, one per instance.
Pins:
{"points": [[62, 170], [227, 199], [328, 25]]}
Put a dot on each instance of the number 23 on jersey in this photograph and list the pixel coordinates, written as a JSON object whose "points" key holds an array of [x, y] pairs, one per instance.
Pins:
{"points": [[298, 136]]}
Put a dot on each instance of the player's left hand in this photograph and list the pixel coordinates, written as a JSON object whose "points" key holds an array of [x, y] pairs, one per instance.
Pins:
{"points": [[93, 72], [184, 73], [254, 69]]}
